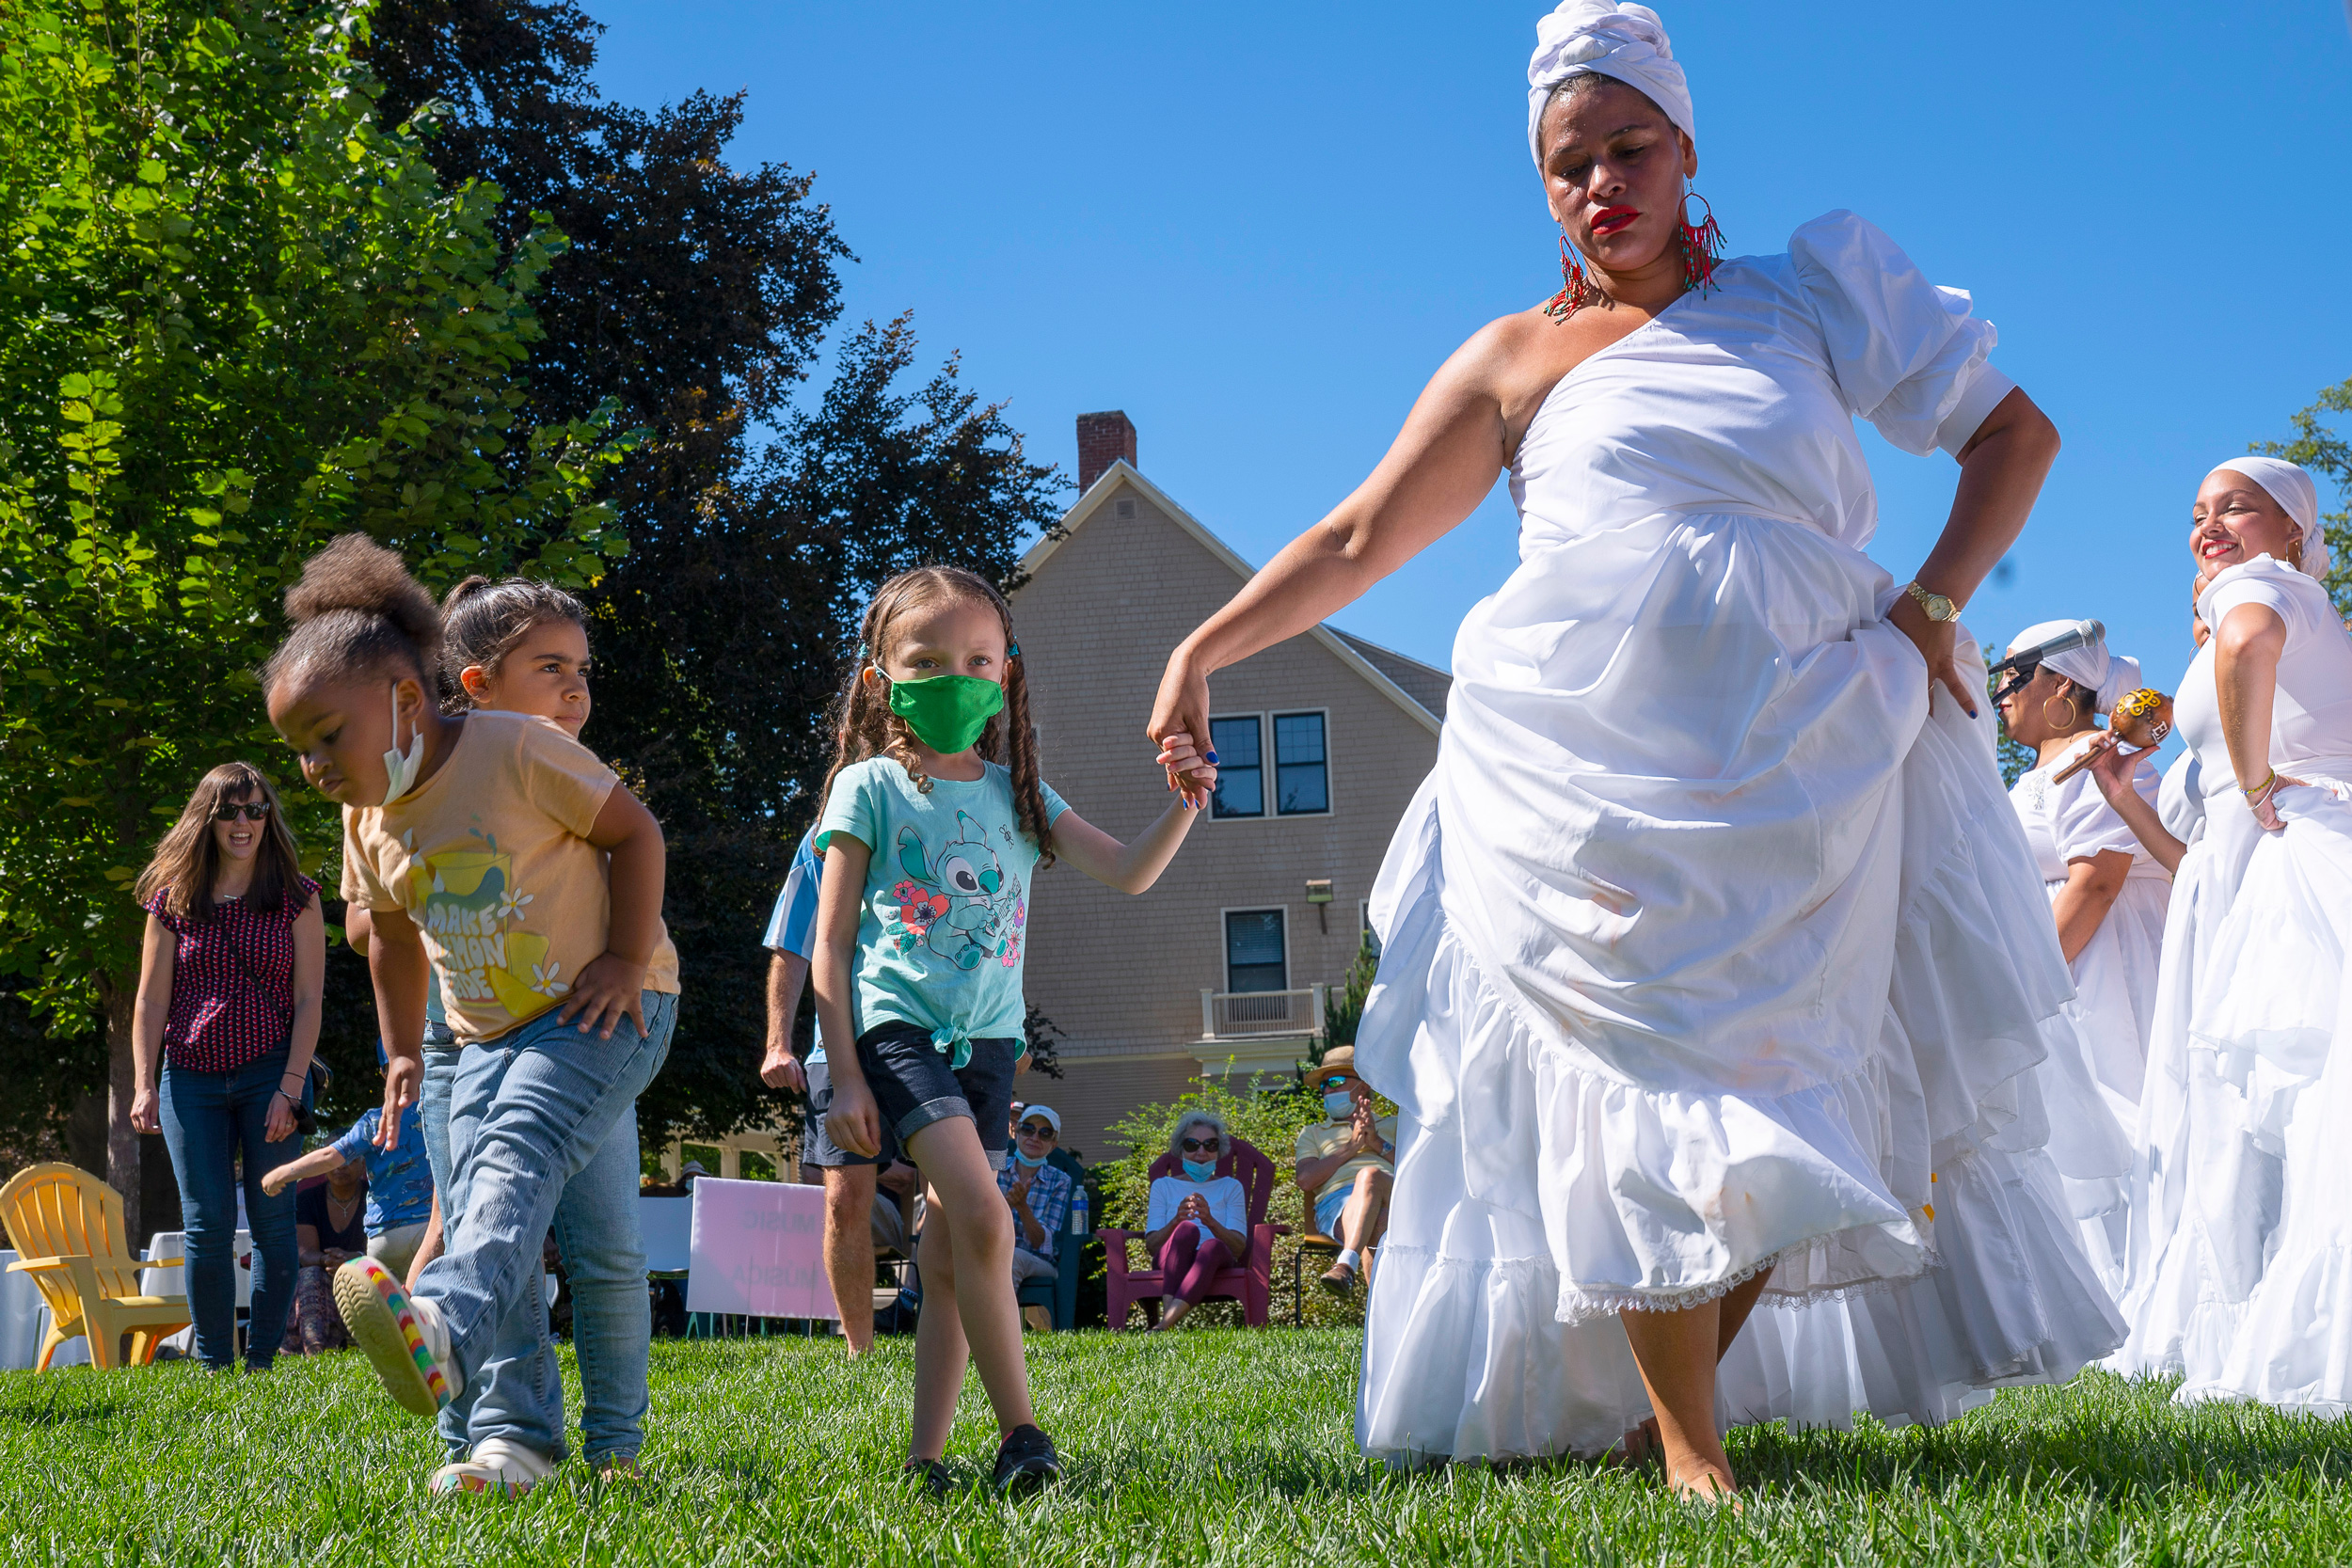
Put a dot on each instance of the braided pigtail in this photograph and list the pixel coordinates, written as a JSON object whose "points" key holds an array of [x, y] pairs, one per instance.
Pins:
{"points": [[1020, 753]]}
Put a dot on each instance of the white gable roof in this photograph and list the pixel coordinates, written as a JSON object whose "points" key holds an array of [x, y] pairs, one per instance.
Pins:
{"points": [[1122, 472]]}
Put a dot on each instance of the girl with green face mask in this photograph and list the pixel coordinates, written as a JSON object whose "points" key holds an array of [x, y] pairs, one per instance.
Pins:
{"points": [[937, 816]]}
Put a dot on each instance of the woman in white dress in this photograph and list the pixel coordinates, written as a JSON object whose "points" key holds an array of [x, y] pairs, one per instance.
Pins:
{"points": [[2268, 708], [2108, 897], [1712, 925]]}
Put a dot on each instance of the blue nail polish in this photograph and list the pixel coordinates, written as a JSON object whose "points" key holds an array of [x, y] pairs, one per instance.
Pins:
{"points": [[1209, 757]]}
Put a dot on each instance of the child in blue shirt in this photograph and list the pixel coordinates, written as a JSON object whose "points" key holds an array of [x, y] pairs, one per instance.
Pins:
{"points": [[400, 1183], [935, 819]]}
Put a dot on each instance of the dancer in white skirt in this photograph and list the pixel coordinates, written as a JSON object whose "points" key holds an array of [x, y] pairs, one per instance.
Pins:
{"points": [[1712, 923], [2272, 994], [2107, 894]]}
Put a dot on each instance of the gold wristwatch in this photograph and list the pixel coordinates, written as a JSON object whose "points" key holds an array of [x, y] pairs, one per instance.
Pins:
{"points": [[1936, 605]]}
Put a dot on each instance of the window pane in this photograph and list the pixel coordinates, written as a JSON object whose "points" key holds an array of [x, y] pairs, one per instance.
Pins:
{"points": [[1301, 782], [1253, 950], [1240, 768]]}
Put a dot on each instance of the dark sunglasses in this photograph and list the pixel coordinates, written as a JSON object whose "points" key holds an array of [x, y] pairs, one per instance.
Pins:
{"points": [[1037, 1129], [1330, 1083], [1199, 1146], [253, 811]]}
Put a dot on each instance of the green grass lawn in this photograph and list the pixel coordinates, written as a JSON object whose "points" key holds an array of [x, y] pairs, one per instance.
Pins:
{"points": [[1216, 1445]]}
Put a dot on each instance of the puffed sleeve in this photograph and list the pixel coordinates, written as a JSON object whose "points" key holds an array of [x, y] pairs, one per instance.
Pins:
{"points": [[1907, 354], [2083, 824], [2272, 584]]}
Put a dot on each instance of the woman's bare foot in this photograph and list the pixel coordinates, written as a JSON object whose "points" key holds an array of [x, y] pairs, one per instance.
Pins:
{"points": [[1706, 1484], [1639, 1446]]}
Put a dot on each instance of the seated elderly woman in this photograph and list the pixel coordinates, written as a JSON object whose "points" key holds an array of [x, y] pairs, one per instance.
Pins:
{"points": [[1197, 1222]]}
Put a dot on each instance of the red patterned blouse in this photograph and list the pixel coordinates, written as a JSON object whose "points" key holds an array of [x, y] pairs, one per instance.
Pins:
{"points": [[231, 982]]}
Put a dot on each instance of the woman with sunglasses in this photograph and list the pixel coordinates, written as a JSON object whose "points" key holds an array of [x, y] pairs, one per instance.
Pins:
{"points": [[225, 1025], [1198, 1221]]}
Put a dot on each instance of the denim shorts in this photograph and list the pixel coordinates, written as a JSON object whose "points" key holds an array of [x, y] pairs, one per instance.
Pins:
{"points": [[914, 1086], [822, 1152]]}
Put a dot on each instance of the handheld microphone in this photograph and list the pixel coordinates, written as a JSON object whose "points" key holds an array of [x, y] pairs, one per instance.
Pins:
{"points": [[2026, 660]]}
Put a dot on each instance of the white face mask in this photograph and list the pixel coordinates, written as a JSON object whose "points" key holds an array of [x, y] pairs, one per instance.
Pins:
{"points": [[401, 771]]}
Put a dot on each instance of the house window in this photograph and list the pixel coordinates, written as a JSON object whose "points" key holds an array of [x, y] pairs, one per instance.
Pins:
{"points": [[1302, 783], [1240, 768], [1254, 957]]}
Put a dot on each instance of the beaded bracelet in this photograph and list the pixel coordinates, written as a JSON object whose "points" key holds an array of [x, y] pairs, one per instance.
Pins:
{"points": [[2256, 791]]}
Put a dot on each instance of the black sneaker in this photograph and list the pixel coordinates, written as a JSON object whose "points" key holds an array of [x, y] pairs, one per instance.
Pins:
{"points": [[932, 1474], [1025, 1461]]}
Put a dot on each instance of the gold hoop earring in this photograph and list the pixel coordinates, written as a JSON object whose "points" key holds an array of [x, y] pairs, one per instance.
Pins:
{"points": [[2074, 712]]}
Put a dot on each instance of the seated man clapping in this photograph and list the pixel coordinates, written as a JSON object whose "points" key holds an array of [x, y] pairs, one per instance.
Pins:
{"points": [[1345, 1165]]}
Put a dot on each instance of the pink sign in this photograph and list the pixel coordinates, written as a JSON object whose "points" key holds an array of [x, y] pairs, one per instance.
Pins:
{"points": [[758, 1248]]}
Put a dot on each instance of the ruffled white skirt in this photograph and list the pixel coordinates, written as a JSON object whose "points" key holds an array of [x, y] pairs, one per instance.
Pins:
{"points": [[2276, 994], [1706, 949]]}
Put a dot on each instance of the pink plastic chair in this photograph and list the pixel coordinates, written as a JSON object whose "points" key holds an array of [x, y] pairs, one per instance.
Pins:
{"points": [[1251, 1284]]}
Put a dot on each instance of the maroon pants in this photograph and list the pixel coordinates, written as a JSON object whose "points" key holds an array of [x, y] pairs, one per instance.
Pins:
{"points": [[1189, 1260]]}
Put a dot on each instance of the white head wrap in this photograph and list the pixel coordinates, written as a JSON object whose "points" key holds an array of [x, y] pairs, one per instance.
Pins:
{"points": [[1594, 38], [2288, 485], [2108, 677]]}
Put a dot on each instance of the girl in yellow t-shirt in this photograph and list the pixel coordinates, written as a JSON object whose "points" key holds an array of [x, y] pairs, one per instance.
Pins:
{"points": [[494, 850], [935, 816]]}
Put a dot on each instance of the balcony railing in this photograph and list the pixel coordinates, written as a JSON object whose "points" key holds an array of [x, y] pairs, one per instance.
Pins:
{"points": [[1247, 1014]]}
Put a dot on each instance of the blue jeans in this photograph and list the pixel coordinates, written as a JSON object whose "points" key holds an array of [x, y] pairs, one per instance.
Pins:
{"points": [[542, 1130], [442, 1056], [208, 1117]]}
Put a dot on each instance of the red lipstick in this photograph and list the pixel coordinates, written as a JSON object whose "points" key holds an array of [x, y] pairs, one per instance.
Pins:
{"points": [[1608, 220]]}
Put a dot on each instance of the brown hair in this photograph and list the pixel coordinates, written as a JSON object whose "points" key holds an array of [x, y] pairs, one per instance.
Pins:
{"points": [[356, 612], [188, 859], [864, 726], [482, 621]]}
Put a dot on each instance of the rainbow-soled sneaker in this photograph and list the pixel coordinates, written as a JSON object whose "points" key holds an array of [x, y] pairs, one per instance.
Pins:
{"points": [[403, 1339]]}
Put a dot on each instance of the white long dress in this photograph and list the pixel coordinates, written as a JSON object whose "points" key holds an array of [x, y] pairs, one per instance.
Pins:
{"points": [[1710, 943], [2273, 1004], [2091, 1083]]}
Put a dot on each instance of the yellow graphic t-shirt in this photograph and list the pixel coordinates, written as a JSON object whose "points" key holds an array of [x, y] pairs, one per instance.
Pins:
{"points": [[490, 858]]}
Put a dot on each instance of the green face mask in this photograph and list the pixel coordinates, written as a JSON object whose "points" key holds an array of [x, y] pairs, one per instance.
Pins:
{"points": [[948, 712]]}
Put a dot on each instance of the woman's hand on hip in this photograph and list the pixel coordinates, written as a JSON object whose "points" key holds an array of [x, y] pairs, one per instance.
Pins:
{"points": [[1938, 642], [145, 1117], [2266, 804], [1182, 710]]}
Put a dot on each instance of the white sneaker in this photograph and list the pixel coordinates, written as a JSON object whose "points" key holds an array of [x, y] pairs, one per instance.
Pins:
{"points": [[404, 1336], [497, 1466]]}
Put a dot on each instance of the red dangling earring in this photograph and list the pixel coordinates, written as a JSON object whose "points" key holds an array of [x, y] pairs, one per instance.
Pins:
{"points": [[1702, 246], [1576, 289]]}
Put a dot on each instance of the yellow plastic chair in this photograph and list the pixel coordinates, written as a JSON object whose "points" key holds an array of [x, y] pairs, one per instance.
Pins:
{"points": [[67, 1227]]}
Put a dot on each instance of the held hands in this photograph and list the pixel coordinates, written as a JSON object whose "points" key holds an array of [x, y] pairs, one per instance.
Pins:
{"points": [[780, 1069], [1194, 1207], [403, 1075], [609, 989], [1180, 712], [1189, 775], [1367, 1130], [1938, 642], [853, 1122]]}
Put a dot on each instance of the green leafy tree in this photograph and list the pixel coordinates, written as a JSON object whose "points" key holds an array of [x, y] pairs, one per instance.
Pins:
{"points": [[1343, 1004], [243, 315], [2322, 448], [696, 292]]}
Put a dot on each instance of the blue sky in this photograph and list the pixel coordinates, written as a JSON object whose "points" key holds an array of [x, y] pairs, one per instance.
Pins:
{"points": [[1259, 228]]}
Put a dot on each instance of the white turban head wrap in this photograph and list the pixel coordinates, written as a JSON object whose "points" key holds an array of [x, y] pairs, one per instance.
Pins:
{"points": [[2108, 677], [2291, 486], [1595, 38]]}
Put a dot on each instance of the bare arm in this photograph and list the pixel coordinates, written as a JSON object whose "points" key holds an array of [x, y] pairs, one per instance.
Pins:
{"points": [[1440, 468], [2092, 882], [158, 951], [317, 1162], [612, 985], [1129, 867], [2247, 646], [2112, 773], [852, 1122], [401, 972], [309, 987], [1017, 1196], [779, 1068]]}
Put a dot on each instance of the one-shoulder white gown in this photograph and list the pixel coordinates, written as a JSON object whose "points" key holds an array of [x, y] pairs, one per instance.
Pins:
{"points": [[1712, 946]]}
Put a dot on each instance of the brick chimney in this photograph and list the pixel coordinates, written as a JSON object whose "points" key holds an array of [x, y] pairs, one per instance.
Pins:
{"points": [[1102, 439]]}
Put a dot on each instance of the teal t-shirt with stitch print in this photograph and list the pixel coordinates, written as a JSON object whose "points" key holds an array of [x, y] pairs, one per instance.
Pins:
{"points": [[945, 918]]}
